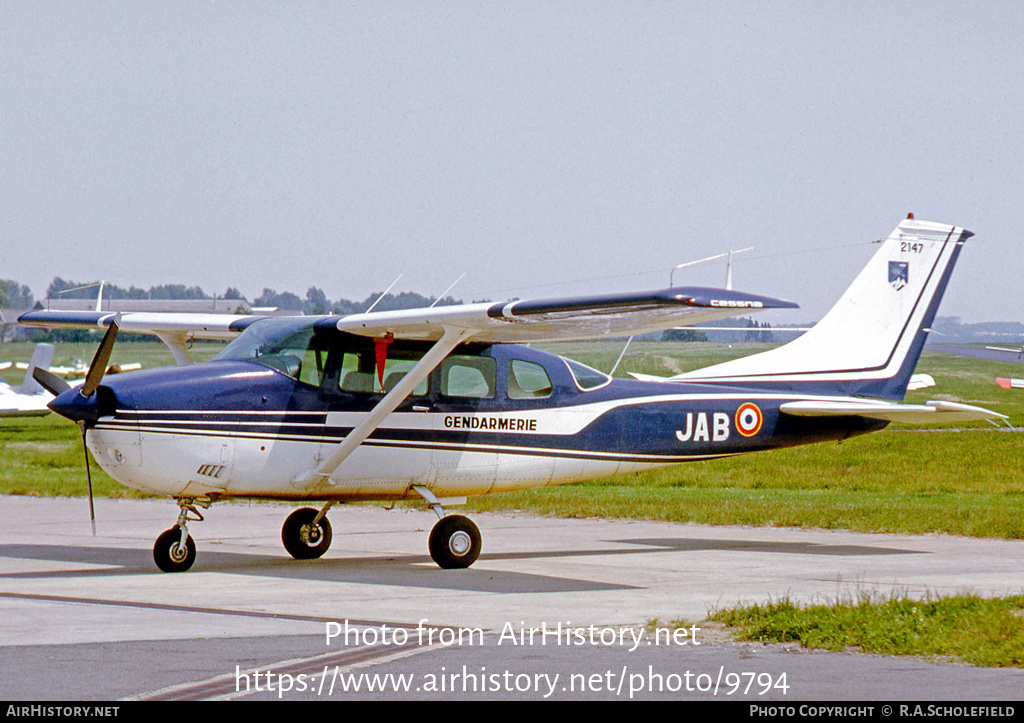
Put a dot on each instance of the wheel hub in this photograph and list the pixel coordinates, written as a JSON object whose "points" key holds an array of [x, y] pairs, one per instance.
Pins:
{"points": [[459, 543], [310, 534], [178, 552]]}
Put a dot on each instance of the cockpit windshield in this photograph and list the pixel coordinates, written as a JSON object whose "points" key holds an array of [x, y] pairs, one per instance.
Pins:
{"points": [[286, 344]]}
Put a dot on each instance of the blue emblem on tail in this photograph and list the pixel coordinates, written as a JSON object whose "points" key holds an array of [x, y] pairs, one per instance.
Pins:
{"points": [[899, 274]]}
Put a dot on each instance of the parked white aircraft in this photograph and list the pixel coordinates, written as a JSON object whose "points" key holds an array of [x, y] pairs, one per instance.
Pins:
{"points": [[30, 398], [1009, 383], [78, 369]]}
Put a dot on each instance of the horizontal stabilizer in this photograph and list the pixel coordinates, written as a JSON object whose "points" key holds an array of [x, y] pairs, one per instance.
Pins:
{"points": [[1011, 383], [936, 411]]}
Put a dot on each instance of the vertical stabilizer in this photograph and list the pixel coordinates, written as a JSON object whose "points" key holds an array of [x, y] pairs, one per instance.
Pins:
{"points": [[42, 357], [870, 341]]}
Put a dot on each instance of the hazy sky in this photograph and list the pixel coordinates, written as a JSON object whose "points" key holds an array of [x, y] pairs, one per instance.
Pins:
{"points": [[541, 148]]}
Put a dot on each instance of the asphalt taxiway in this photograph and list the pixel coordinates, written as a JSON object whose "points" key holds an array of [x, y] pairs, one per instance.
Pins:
{"points": [[554, 608]]}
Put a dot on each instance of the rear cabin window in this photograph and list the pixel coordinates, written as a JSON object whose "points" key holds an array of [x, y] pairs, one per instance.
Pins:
{"points": [[527, 380]]}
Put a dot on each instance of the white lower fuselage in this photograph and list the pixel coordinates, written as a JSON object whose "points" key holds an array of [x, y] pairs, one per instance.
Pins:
{"points": [[454, 454]]}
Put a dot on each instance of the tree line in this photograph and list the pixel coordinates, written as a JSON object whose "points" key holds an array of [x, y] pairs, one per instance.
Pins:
{"points": [[14, 295], [18, 296]]}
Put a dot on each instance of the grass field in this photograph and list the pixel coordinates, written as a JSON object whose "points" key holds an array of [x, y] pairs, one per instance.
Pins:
{"points": [[967, 480]]}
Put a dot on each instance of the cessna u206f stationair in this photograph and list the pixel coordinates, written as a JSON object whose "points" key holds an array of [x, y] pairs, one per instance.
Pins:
{"points": [[441, 403]]}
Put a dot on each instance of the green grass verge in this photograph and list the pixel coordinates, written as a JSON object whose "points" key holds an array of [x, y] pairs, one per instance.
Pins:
{"points": [[965, 483], [974, 630]]}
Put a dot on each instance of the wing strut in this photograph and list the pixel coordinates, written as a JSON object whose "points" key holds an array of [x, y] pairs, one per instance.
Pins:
{"points": [[178, 346], [452, 338]]}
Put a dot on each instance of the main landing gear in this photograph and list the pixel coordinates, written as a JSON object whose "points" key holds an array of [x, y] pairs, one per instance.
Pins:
{"points": [[306, 533], [454, 540]]}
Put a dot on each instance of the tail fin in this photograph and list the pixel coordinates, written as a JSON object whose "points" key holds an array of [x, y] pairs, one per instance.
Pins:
{"points": [[42, 357], [869, 342]]}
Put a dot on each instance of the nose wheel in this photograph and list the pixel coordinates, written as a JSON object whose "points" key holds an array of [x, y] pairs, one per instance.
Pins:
{"points": [[171, 554], [175, 550]]}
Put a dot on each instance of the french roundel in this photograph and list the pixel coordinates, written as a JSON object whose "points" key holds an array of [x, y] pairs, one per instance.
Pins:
{"points": [[748, 419]]}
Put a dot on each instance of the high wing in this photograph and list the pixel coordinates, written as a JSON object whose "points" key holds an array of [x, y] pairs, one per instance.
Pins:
{"points": [[175, 330], [563, 319], [519, 321], [511, 322]]}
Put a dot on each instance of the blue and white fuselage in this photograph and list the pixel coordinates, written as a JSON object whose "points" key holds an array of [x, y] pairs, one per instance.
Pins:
{"points": [[444, 403], [243, 429]]}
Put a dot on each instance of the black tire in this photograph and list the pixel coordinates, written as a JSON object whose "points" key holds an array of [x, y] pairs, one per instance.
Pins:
{"points": [[168, 553], [301, 539], [454, 542]]}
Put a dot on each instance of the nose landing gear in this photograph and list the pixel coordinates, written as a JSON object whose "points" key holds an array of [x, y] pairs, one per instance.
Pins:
{"points": [[174, 550]]}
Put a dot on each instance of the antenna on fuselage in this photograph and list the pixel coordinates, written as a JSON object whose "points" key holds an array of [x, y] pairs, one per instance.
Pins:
{"points": [[728, 265], [622, 354], [447, 290], [383, 295]]}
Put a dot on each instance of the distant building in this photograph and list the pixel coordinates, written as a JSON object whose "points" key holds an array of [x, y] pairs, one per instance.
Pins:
{"points": [[9, 328], [164, 306]]}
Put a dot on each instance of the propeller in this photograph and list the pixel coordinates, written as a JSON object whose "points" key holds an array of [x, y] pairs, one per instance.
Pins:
{"points": [[99, 362], [74, 405], [50, 381], [88, 477]]}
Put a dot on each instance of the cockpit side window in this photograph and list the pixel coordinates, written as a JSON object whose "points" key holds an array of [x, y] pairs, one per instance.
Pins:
{"points": [[468, 376], [359, 371]]}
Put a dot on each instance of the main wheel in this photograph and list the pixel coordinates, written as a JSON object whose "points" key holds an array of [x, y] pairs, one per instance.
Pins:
{"points": [[303, 539], [170, 555], [454, 542]]}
